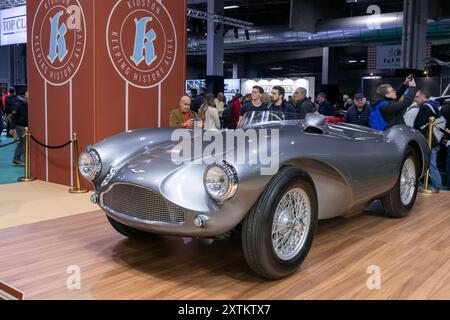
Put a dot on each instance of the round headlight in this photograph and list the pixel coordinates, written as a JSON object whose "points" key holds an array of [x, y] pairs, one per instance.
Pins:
{"points": [[221, 181], [89, 164]]}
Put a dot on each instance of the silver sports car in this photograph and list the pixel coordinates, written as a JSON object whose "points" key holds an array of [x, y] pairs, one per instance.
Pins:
{"points": [[271, 180]]}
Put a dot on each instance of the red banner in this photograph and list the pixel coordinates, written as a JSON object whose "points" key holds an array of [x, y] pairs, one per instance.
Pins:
{"points": [[99, 68]]}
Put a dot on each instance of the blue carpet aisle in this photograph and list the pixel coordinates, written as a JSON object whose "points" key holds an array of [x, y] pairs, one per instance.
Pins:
{"points": [[8, 173]]}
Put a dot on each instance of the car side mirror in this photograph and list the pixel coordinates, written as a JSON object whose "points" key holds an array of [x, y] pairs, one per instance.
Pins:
{"points": [[314, 123]]}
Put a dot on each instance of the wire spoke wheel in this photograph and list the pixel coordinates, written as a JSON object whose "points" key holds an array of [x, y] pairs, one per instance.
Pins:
{"points": [[407, 181], [291, 224]]}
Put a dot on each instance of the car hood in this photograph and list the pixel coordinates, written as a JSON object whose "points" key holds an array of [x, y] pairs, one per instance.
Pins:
{"points": [[155, 164]]}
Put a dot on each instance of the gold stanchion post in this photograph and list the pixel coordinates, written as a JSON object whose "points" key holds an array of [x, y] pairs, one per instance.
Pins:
{"points": [[27, 177], [77, 189], [425, 189]]}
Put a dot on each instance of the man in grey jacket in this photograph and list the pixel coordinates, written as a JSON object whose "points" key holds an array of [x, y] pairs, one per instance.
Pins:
{"points": [[301, 103]]}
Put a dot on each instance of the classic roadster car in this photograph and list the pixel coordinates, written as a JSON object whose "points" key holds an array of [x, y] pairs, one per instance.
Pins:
{"points": [[323, 171]]}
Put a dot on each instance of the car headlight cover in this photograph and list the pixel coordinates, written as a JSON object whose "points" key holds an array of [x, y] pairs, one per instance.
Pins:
{"points": [[221, 181], [89, 164]]}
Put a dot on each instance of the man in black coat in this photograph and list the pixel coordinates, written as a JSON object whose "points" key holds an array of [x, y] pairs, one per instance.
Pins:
{"points": [[445, 111], [197, 101], [11, 104], [359, 112], [325, 108], [301, 103], [281, 107], [19, 121]]}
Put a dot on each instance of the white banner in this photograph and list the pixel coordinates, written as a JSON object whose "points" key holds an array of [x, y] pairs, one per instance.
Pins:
{"points": [[289, 85], [232, 86], [389, 57], [13, 26]]}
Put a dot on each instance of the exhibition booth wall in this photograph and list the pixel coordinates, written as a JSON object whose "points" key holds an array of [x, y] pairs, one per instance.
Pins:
{"points": [[244, 86], [98, 68]]}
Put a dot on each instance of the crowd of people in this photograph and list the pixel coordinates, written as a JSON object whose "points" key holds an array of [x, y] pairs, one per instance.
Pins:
{"points": [[407, 105], [14, 109]]}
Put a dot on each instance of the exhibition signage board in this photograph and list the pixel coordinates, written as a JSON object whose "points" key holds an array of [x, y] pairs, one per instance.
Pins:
{"points": [[389, 57], [13, 24], [98, 68], [231, 86], [289, 85]]}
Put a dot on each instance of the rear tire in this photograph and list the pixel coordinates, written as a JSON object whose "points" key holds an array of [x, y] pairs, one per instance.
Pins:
{"points": [[398, 202], [127, 231], [278, 231]]}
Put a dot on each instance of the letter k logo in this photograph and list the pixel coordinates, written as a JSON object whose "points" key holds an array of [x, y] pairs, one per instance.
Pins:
{"points": [[144, 42], [57, 39]]}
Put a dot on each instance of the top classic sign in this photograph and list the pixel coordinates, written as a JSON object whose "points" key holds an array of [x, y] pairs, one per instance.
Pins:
{"points": [[58, 39], [141, 40], [13, 26]]}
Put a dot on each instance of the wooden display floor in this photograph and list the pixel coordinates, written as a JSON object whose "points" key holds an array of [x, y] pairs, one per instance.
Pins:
{"points": [[413, 255]]}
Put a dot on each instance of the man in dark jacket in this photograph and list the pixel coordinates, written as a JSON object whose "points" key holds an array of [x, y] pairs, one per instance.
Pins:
{"points": [[359, 112], [19, 121], [392, 107], [325, 108], [11, 104], [302, 104], [197, 101], [429, 108], [281, 106], [445, 111]]}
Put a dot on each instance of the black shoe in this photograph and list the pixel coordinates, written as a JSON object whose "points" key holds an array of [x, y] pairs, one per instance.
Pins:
{"points": [[17, 164]]}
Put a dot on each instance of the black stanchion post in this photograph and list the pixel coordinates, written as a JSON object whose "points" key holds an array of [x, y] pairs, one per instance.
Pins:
{"points": [[77, 189], [27, 177]]}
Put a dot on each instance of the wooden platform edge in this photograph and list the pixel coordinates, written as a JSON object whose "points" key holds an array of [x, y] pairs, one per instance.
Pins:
{"points": [[10, 293]]}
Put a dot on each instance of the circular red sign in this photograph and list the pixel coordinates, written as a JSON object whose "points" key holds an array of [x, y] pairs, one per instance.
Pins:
{"points": [[142, 42], [58, 40]]}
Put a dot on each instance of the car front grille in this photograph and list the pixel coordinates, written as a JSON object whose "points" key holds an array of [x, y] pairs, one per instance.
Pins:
{"points": [[141, 203]]}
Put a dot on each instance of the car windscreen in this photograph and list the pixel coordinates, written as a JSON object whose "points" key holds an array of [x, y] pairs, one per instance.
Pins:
{"points": [[255, 118]]}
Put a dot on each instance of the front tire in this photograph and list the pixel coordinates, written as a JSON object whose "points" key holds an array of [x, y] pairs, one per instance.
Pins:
{"points": [[127, 231], [278, 231], [399, 201]]}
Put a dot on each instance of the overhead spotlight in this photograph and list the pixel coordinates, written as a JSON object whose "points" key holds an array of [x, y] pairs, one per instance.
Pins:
{"points": [[247, 34], [236, 33]]}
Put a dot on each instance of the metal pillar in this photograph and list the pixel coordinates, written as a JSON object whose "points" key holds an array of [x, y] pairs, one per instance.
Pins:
{"points": [[215, 51], [329, 74], [414, 38]]}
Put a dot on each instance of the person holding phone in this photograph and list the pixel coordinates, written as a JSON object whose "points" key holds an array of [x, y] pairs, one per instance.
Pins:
{"points": [[183, 117], [390, 105]]}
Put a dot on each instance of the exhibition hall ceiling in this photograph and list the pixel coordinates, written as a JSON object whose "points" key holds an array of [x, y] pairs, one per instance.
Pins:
{"points": [[11, 3], [277, 12]]}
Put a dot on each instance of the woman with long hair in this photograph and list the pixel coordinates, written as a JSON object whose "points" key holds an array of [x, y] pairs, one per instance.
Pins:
{"points": [[208, 113]]}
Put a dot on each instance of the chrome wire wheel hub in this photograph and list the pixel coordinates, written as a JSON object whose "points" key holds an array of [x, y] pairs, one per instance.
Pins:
{"points": [[291, 224], [407, 181]]}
